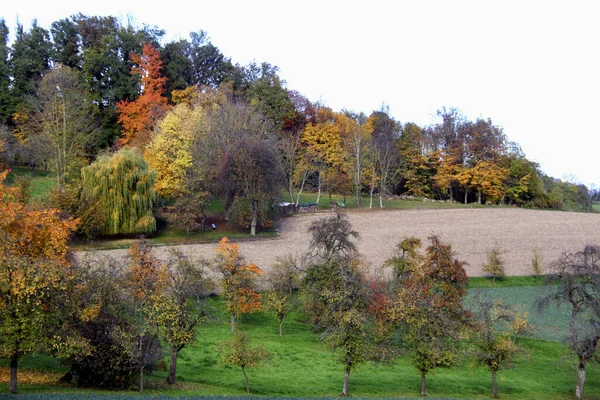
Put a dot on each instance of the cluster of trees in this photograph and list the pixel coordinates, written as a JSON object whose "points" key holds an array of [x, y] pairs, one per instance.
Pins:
{"points": [[74, 95], [106, 319]]}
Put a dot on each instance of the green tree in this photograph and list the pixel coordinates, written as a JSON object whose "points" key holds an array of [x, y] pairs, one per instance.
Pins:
{"points": [[494, 265], [5, 75], [240, 352], [178, 306], [66, 40], [123, 187], [493, 347], [281, 280], [429, 310], [60, 112]]}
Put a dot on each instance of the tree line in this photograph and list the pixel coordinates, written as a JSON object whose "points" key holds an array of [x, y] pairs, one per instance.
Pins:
{"points": [[93, 98], [106, 319]]}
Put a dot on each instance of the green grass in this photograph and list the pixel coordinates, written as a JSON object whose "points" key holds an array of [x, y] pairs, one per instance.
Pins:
{"points": [[41, 182], [507, 281], [350, 203], [596, 206], [303, 367]]}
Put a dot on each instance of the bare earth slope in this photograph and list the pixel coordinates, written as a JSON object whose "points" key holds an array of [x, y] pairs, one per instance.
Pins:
{"points": [[471, 232]]}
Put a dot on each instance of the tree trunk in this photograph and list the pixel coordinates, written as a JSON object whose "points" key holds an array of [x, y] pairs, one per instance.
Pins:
{"points": [[173, 366], [247, 384], [371, 198], [281, 328], [479, 196], [232, 322], [580, 380], [254, 218], [494, 386], [380, 200], [319, 195], [466, 193], [14, 361], [423, 385], [141, 379], [346, 380], [301, 188]]}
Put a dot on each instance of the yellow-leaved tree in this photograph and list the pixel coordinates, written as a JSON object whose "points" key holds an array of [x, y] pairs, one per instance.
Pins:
{"points": [[169, 153]]}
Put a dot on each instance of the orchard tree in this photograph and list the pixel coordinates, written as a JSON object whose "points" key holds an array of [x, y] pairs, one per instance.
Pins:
{"points": [[178, 307], [34, 273], [331, 237], [494, 265], [493, 346], [123, 187], [430, 312], [137, 117], [405, 259], [237, 280], [238, 351], [281, 280], [576, 281]]}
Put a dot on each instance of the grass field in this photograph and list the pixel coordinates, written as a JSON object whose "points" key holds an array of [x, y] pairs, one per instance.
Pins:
{"points": [[596, 206], [303, 367], [41, 182]]}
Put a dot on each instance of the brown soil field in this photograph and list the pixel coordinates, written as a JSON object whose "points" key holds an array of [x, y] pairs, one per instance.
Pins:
{"points": [[471, 232]]}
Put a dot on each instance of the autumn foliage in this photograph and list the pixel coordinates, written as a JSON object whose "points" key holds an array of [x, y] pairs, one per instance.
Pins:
{"points": [[139, 116], [237, 280]]}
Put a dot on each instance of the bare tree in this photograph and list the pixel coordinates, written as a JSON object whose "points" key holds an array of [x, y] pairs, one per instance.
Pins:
{"points": [[577, 280], [332, 237]]}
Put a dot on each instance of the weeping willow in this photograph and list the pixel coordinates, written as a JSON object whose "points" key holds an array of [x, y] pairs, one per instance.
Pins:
{"points": [[123, 186]]}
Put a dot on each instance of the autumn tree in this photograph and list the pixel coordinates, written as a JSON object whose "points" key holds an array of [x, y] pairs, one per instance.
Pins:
{"points": [[61, 113], [237, 280], [576, 278], [178, 307], [332, 237], [144, 283], [405, 259], [429, 309], [33, 273], [169, 151], [494, 265], [238, 351], [137, 117], [281, 280], [123, 187], [493, 346]]}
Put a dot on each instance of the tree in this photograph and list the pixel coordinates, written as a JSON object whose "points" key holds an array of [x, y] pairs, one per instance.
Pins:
{"points": [[429, 309], [494, 264], [282, 279], [332, 237], [188, 208], [255, 172], [143, 280], [169, 151], [239, 351], [60, 112], [576, 279], [123, 187], [178, 306], [237, 280], [137, 117], [33, 273], [66, 40], [405, 259], [5, 75], [493, 347]]}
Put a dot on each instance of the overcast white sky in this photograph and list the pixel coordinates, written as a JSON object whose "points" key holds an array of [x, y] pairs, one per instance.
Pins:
{"points": [[533, 67]]}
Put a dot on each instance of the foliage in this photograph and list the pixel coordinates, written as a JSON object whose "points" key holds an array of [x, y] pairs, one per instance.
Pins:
{"points": [[169, 151], [238, 351], [237, 280], [429, 309], [536, 262], [177, 307], [405, 259], [123, 188], [494, 265], [331, 237], [137, 117], [492, 343], [281, 280]]}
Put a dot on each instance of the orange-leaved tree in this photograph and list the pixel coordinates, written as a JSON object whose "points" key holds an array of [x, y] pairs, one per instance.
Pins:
{"points": [[34, 273], [237, 280], [138, 117]]}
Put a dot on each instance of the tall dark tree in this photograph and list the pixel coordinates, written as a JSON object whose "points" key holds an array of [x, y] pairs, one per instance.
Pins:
{"points": [[67, 46], [5, 74], [30, 60]]}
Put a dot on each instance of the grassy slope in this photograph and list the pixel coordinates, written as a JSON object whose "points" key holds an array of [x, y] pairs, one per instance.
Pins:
{"points": [[303, 367], [41, 182]]}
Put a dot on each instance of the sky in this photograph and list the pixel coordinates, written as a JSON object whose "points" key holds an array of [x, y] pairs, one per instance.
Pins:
{"points": [[532, 67]]}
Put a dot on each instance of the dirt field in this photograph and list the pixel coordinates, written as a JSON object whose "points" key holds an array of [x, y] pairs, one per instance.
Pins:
{"points": [[471, 232]]}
